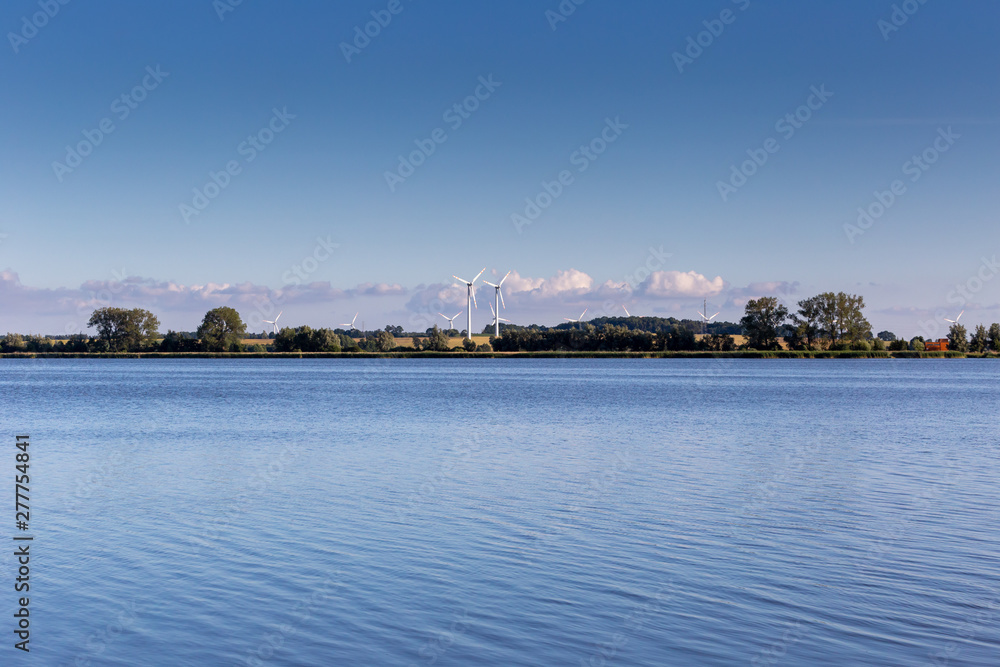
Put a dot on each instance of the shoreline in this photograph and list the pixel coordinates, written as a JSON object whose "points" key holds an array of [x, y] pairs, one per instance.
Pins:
{"points": [[745, 354]]}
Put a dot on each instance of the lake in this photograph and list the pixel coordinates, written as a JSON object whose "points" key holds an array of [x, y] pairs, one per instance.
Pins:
{"points": [[508, 511]]}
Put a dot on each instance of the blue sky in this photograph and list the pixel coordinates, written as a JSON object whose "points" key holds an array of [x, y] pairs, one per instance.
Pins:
{"points": [[644, 224]]}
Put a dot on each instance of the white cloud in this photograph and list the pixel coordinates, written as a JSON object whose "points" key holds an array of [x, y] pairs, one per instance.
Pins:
{"points": [[672, 284]]}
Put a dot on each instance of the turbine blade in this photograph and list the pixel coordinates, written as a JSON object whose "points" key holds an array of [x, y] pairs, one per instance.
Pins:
{"points": [[584, 313], [504, 278], [500, 292], [473, 293], [713, 316], [489, 283], [479, 274], [459, 279]]}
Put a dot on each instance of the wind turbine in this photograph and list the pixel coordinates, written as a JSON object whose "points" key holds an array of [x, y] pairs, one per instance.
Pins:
{"points": [[499, 300], [471, 298], [350, 324], [497, 320], [274, 322], [705, 318], [579, 319], [451, 320], [955, 321]]}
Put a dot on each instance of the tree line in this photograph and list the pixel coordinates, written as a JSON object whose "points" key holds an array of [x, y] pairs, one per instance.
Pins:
{"points": [[831, 321], [827, 321]]}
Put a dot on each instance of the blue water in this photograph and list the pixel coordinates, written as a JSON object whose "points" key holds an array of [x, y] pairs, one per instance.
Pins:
{"points": [[508, 512]]}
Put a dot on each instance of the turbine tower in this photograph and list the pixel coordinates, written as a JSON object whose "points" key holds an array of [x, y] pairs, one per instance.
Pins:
{"points": [[471, 298], [497, 320], [705, 319], [451, 320], [274, 322], [498, 298]]}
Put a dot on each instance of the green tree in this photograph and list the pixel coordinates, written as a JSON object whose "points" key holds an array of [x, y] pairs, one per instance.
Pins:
{"points": [[221, 330], [385, 341], [469, 345], [284, 340], [807, 322], [415, 341], [177, 342], [995, 337], [307, 339], [958, 338], [917, 344], [13, 342], [980, 340], [761, 321], [887, 336], [436, 341], [842, 317], [718, 342], [125, 329], [348, 344], [850, 310]]}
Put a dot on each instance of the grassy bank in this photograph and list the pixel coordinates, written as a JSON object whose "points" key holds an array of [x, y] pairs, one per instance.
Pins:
{"points": [[742, 354]]}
